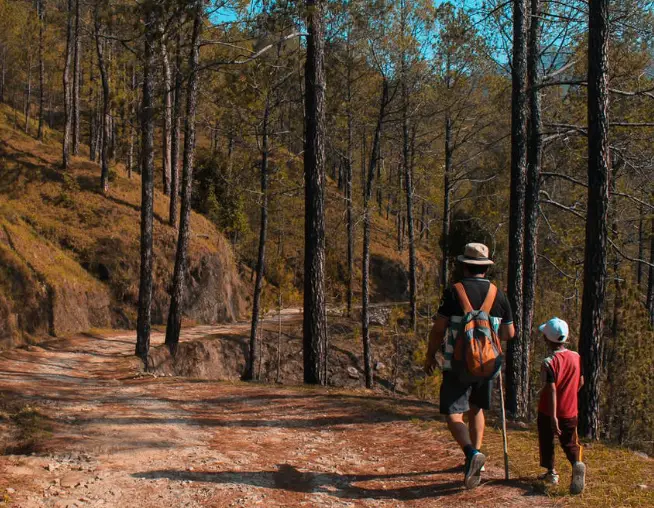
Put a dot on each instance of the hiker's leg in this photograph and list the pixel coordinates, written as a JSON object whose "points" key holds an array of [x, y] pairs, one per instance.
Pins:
{"points": [[546, 441], [476, 424], [569, 439], [480, 400], [459, 430]]}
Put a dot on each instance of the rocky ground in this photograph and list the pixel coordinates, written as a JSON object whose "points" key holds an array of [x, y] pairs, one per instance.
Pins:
{"points": [[116, 437]]}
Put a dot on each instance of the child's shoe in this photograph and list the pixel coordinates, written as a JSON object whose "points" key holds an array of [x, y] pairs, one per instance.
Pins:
{"points": [[551, 478], [578, 478]]}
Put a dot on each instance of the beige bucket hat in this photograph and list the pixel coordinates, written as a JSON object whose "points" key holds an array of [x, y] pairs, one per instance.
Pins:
{"points": [[475, 254]]}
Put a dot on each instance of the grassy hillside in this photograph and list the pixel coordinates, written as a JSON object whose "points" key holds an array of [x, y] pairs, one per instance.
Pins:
{"points": [[70, 256]]}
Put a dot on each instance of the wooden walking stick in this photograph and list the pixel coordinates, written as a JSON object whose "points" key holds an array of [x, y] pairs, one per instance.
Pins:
{"points": [[504, 441]]}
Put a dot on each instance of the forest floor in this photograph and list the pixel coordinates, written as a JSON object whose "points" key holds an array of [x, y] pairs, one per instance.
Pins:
{"points": [[97, 432]]}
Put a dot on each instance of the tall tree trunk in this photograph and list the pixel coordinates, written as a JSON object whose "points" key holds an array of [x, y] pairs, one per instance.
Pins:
{"points": [[641, 248], [592, 307], [650, 278], [104, 176], [315, 319], [174, 148], [92, 111], [365, 282], [167, 126], [408, 184], [28, 91], [447, 207], [3, 74], [179, 275], [76, 80], [534, 150], [67, 88], [516, 400], [348, 181], [40, 10], [147, 189], [261, 260], [132, 117]]}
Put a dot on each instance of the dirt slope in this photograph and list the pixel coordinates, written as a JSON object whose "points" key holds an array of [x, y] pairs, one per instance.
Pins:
{"points": [[122, 439], [69, 256]]}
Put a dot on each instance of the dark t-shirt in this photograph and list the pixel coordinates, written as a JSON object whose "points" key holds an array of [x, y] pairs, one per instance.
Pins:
{"points": [[476, 289]]}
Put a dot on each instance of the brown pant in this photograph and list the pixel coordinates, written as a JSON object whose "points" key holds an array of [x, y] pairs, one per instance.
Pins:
{"points": [[568, 439]]}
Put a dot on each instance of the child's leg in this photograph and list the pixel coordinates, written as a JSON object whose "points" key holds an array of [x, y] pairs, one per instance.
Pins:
{"points": [[569, 439], [546, 441]]}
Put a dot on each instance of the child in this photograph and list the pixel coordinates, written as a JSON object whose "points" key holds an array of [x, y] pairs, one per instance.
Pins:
{"points": [[557, 409]]}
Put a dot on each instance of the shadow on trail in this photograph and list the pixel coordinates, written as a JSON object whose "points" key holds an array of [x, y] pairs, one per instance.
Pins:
{"points": [[348, 486]]}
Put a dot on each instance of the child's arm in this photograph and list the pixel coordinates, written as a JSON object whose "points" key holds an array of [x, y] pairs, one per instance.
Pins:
{"points": [[549, 388]]}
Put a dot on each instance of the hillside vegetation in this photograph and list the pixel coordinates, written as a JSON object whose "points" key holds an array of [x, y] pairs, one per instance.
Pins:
{"points": [[69, 256]]}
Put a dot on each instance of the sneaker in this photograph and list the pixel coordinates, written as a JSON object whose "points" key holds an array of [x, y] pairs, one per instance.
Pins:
{"points": [[473, 469], [551, 478], [578, 478]]}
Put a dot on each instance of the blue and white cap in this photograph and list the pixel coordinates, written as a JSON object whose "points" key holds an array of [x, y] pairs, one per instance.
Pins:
{"points": [[555, 330]]}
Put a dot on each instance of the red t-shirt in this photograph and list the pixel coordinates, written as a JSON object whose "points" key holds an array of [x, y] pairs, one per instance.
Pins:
{"points": [[563, 368]]}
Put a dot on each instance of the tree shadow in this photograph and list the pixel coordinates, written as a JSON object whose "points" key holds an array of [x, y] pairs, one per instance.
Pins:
{"points": [[16, 177], [347, 486]]}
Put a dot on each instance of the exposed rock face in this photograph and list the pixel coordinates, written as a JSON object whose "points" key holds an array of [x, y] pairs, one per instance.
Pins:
{"points": [[214, 292], [64, 298], [390, 280], [43, 289]]}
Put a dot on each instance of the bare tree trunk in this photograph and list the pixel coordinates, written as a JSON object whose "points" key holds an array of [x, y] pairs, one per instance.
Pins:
{"points": [[348, 182], [147, 190], [76, 80], [92, 112], [174, 148], [179, 275], [261, 260], [409, 218], [28, 91], [67, 90], [40, 10], [592, 307], [641, 248], [534, 151], [365, 282], [408, 184], [447, 207], [3, 74], [650, 278], [515, 396], [132, 116], [315, 319], [167, 127], [104, 177]]}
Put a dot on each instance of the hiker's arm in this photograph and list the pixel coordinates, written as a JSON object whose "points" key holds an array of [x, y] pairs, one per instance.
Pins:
{"points": [[507, 331], [436, 336], [581, 382]]}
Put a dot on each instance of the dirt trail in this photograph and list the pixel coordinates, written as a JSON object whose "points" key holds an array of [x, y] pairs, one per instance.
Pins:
{"points": [[121, 439]]}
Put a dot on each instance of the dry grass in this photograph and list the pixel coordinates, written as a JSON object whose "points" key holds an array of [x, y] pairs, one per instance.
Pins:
{"points": [[613, 474]]}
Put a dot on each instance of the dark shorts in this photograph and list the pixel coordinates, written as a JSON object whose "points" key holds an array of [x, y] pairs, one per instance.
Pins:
{"points": [[457, 397]]}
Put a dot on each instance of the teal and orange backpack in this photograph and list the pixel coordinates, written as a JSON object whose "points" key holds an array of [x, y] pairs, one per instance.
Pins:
{"points": [[477, 349]]}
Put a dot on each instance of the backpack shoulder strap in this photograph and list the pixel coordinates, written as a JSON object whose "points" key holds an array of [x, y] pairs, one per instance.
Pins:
{"points": [[462, 296], [490, 299]]}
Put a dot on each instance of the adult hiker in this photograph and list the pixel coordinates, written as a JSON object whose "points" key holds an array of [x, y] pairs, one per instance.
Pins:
{"points": [[473, 316]]}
